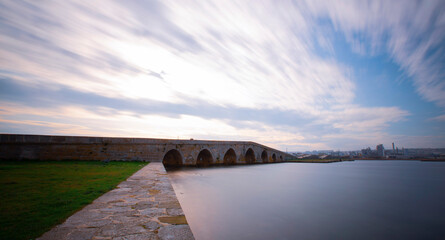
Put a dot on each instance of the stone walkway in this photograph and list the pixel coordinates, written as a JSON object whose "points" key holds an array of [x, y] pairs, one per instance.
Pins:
{"points": [[143, 207]]}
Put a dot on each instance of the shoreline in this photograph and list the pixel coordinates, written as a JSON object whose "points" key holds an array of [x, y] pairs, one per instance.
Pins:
{"points": [[319, 160], [367, 159]]}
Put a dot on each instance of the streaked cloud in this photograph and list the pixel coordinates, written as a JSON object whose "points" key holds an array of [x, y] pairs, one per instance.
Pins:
{"points": [[215, 70], [412, 32], [439, 118]]}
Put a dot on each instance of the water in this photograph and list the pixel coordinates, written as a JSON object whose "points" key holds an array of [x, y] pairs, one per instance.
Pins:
{"points": [[347, 200]]}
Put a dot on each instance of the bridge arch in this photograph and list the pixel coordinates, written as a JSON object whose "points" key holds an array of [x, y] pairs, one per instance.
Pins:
{"points": [[264, 156], [274, 157], [281, 158], [204, 158], [250, 156], [230, 157], [172, 158]]}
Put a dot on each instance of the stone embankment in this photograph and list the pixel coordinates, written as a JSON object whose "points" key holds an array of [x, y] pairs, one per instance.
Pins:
{"points": [[142, 207]]}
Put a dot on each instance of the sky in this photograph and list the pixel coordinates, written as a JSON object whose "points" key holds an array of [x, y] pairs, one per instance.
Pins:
{"points": [[293, 75]]}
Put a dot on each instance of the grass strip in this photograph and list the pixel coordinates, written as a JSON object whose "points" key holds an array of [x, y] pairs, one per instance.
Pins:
{"points": [[36, 196]]}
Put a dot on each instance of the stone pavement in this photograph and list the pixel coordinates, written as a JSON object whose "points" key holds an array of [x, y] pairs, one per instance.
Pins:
{"points": [[143, 207]]}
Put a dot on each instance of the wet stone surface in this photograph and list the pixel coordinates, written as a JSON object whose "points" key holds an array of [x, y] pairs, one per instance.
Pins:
{"points": [[143, 207]]}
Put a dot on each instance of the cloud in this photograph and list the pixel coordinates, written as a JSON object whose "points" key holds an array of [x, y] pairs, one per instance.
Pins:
{"points": [[62, 110], [412, 32], [244, 70], [440, 118], [246, 65], [349, 117], [358, 119]]}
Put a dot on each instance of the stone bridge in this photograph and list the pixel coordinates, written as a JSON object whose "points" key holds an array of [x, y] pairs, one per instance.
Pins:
{"points": [[169, 151]]}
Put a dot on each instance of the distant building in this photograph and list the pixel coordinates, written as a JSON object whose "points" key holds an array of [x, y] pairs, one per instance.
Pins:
{"points": [[380, 150], [367, 152]]}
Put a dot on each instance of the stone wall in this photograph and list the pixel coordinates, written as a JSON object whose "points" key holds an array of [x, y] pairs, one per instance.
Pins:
{"points": [[42, 147]]}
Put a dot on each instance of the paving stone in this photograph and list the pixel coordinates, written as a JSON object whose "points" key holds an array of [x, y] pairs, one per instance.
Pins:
{"points": [[152, 212], [57, 233], [116, 209], [143, 205], [177, 232], [108, 198], [174, 211], [169, 204], [176, 220], [122, 229], [151, 225], [82, 234], [122, 218], [143, 236], [99, 223]]}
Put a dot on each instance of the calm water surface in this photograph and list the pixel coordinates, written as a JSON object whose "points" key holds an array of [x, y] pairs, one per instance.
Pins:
{"points": [[347, 200]]}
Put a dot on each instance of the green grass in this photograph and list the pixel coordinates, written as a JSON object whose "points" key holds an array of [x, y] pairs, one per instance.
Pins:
{"points": [[35, 196]]}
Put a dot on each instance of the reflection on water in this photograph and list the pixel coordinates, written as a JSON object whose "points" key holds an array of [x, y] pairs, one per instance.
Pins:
{"points": [[347, 200]]}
